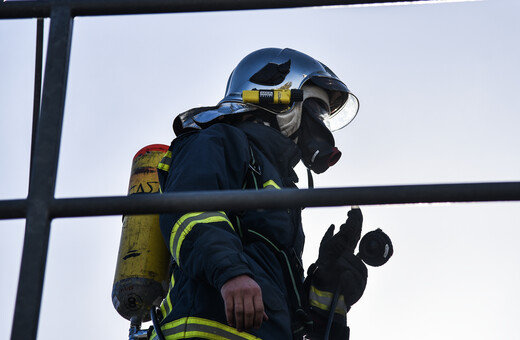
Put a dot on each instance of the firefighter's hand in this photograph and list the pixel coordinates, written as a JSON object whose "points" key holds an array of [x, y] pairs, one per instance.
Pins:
{"points": [[243, 303], [353, 277], [332, 246]]}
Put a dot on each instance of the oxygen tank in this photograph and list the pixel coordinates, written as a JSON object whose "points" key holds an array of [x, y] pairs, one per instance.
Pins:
{"points": [[141, 276]]}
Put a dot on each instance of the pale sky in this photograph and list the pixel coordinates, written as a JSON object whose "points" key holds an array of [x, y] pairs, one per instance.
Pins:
{"points": [[438, 86]]}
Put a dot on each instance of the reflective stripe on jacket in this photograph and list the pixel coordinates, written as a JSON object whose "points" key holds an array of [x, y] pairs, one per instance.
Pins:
{"points": [[193, 327], [186, 223], [323, 300]]}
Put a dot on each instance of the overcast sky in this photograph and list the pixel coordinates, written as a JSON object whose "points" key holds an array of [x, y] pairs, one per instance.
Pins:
{"points": [[438, 86]]}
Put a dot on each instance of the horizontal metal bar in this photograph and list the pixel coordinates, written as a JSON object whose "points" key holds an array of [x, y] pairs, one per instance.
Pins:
{"points": [[34, 9], [13, 209], [271, 199]]}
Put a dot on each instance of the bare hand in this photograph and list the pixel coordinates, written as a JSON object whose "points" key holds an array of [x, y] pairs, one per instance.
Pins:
{"points": [[243, 303]]}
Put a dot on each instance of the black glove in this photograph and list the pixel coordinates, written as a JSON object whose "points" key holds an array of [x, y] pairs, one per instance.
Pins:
{"points": [[353, 279], [332, 246], [337, 266]]}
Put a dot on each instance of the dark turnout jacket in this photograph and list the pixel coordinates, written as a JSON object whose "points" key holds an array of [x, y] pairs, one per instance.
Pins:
{"points": [[211, 247]]}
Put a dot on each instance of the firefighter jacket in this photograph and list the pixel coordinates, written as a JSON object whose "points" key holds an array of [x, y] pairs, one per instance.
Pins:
{"points": [[211, 247]]}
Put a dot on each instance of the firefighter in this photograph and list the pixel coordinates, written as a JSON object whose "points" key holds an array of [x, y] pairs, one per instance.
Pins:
{"points": [[238, 274]]}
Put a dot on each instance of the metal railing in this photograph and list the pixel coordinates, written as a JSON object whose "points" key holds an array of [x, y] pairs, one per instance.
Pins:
{"points": [[41, 207]]}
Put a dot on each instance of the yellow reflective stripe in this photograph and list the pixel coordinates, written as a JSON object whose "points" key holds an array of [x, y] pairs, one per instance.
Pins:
{"points": [[165, 162], [164, 167], [194, 327], [271, 184], [184, 225], [323, 300], [166, 305], [172, 281], [321, 293]]}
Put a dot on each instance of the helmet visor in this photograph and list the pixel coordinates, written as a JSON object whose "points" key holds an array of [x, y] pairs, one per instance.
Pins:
{"points": [[344, 105], [344, 115], [317, 108]]}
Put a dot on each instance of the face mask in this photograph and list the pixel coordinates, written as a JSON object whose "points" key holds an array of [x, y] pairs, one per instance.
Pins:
{"points": [[315, 140]]}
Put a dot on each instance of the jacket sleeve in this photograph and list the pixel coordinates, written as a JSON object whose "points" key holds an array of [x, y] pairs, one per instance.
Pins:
{"points": [[320, 304], [204, 244]]}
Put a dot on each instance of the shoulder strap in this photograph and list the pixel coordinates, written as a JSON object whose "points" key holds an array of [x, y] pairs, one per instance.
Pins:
{"points": [[253, 174]]}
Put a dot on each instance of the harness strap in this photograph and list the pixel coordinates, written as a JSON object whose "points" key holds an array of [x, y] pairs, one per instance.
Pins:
{"points": [[301, 321]]}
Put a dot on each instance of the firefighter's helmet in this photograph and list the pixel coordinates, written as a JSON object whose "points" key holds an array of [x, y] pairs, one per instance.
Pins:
{"points": [[278, 80]]}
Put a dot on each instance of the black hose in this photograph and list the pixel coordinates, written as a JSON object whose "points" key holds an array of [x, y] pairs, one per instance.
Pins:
{"points": [[310, 180], [155, 322], [331, 314]]}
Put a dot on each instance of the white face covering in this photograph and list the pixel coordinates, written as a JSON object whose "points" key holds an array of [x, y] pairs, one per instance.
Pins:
{"points": [[289, 122]]}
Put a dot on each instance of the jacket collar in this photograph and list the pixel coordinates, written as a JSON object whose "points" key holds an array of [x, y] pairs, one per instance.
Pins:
{"points": [[281, 151]]}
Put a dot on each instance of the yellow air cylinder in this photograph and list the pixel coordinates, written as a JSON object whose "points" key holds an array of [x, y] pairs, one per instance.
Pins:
{"points": [[141, 277]]}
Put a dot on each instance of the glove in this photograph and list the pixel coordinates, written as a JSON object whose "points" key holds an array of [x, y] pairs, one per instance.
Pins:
{"points": [[332, 246], [337, 267], [353, 278]]}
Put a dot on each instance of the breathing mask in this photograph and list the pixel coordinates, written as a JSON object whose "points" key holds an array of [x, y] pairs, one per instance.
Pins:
{"points": [[315, 140]]}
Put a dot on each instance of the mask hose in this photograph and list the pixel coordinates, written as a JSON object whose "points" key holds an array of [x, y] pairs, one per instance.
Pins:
{"points": [[310, 180]]}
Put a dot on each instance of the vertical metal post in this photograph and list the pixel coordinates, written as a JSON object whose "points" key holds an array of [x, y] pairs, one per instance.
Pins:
{"points": [[42, 181], [37, 83]]}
